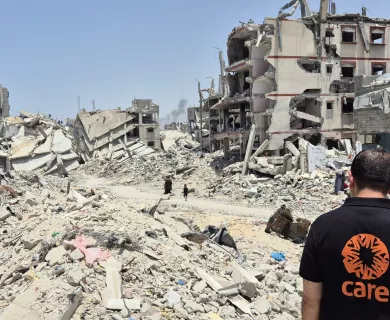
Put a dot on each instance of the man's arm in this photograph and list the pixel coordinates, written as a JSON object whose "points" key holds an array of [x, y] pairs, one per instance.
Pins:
{"points": [[311, 300], [310, 271]]}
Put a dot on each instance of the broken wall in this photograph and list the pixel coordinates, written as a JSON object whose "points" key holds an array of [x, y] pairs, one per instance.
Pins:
{"points": [[372, 104], [291, 79], [87, 146], [372, 121], [144, 105], [151, 139]]}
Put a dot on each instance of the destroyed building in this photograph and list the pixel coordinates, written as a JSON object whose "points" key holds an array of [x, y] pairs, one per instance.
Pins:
{"points": [[4, 102], [104, 130], [294, 78], [372, 111]]}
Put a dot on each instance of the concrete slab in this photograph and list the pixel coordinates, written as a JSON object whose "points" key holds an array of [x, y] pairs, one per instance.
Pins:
{"points": [[119, 304], [247, 281], [214, 284], [45, 147], [23, 305], [71, 165], [24, 148], [69, 156], [61, 144], [30, 163], [55, 255], [241, 304], [136, 146], [140, 150], [146, 152], [114, 284]]}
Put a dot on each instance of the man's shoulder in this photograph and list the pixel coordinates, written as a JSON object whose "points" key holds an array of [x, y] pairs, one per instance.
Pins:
{"points": [[330, 217]]}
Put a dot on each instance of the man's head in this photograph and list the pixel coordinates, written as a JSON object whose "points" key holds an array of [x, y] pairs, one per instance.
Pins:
{"points": [[370, 171]]}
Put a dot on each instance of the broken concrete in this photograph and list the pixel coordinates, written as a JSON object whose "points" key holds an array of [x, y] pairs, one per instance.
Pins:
{"points": [[55, 255]]}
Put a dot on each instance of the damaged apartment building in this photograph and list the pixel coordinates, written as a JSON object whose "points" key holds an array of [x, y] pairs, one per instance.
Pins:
{"points": [[103, 132], [372, 111], [294, 79]]}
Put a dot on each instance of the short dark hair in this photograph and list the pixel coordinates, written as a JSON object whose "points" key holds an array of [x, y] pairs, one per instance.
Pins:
{"points": [[371, 170]]}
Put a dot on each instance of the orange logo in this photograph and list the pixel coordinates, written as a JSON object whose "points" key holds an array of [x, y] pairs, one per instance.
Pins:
{"points": [[354, 264], [365, 270]]}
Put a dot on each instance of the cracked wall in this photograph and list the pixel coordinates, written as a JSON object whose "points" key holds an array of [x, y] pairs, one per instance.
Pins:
{"points": [[372, 104]]}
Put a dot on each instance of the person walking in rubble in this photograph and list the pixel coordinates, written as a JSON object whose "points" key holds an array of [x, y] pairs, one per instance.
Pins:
{"points": [[339, 181], [185, 192], [345, 262], [168, 185]]}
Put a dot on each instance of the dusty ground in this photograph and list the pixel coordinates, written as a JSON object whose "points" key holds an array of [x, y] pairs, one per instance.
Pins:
{"points": [[244, 223]]}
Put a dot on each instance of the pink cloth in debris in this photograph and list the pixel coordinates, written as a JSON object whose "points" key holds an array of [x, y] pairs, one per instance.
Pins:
{"points": [[91, 254]]}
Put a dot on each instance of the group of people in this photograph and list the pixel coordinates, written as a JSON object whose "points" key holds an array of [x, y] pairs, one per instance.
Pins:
{"points": [[168, 188]]}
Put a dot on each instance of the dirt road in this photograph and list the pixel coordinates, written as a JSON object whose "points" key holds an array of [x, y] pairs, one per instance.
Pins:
{"points": [[210, 205], [245, 224]]}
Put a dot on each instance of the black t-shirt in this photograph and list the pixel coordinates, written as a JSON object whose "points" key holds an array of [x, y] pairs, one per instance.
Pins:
{"points": [[348, 251]]}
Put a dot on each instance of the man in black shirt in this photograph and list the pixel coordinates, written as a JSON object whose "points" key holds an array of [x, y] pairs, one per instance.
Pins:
{"points": [[345, 262]]}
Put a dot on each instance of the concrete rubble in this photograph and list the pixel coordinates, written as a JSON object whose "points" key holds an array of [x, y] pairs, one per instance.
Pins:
{"points": [[147, 270], [33, 142], [85, 232]]}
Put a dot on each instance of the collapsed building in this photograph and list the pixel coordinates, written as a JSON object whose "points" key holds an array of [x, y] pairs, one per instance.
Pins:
{"points": [[4, 102], [105, 131], [33, 141], [291, 79], [372, 111]]}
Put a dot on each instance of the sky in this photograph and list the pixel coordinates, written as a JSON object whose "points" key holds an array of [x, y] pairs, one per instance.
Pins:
{"points": [[115, 51]]}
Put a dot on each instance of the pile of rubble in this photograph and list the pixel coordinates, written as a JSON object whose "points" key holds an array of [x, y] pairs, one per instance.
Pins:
{"points": [[302, 156], [181, 160], [209, 175], [68, 251], [30, 142], [311, 194]]}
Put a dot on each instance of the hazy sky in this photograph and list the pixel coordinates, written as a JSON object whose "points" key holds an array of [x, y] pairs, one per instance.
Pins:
{"points": [[112, 51]]}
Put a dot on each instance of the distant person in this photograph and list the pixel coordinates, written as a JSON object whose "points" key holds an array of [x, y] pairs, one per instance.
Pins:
{"points": [[345, 262], [339, 181], [185, 192], [168, 185]]}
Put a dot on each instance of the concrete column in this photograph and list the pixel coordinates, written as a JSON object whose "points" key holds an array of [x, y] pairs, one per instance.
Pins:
{"points": [[140, 118], [242, 116], [323, 140], [226, 148], [125, 135], [225, 118], [262, 129], [243, 147], [249, 148], [287, 163], [354, 139]]}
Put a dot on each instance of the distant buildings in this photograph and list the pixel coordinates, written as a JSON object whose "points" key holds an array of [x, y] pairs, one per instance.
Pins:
{"points": [[4, 102], [101, 130]]}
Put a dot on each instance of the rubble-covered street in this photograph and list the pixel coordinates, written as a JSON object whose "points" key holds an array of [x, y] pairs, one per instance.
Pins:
{"points": [[201, 213], [105, 243]]}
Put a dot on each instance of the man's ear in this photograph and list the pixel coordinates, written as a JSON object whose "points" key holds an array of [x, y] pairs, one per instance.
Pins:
{"points": [[351, 180]]}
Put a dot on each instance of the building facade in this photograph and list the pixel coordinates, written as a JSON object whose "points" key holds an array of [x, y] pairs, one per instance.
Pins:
{"points": [[295, 78]]}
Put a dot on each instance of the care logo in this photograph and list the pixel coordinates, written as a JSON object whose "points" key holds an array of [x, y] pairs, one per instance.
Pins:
{"points": [[367, 257]]}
